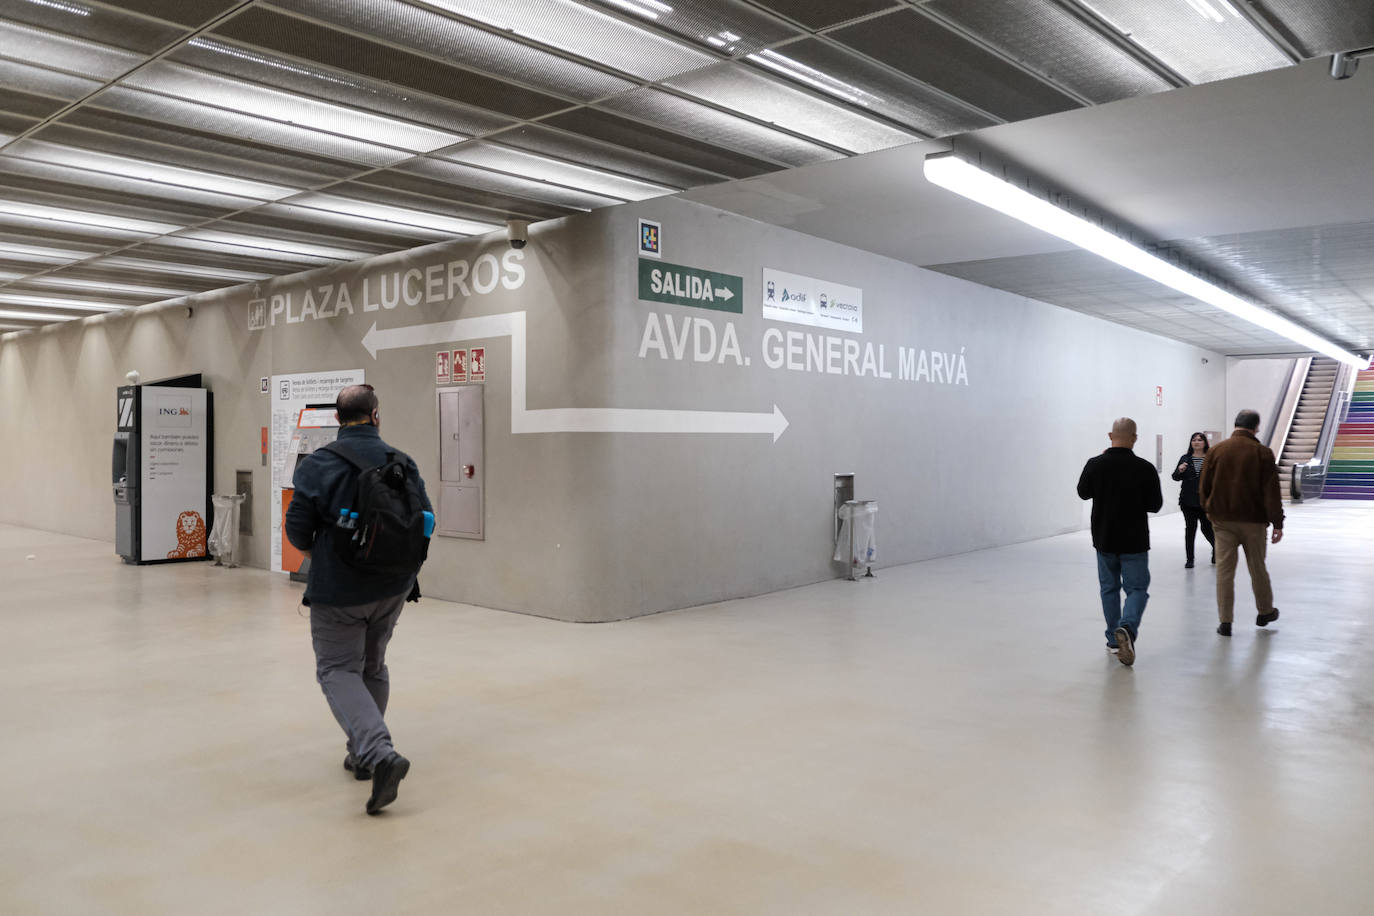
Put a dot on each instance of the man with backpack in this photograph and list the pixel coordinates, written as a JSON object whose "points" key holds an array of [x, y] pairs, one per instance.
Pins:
{"points": [[360, 513]]}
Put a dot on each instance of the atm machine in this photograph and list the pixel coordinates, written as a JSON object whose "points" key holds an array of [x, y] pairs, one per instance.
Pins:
{"points": [[162, 470]]}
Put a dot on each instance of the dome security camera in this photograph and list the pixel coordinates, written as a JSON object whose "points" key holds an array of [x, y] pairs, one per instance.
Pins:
{"points": [[133, 377], [517, 232]]}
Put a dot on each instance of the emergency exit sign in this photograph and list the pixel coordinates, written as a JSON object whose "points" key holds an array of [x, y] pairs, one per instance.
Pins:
{"points": [[679, 285]]}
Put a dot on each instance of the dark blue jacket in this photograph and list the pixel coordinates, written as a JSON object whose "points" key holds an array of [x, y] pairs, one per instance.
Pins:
{"points": [[324, 485]]}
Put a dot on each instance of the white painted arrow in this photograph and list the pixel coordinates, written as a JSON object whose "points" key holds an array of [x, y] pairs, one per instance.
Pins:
{"points": [[725, 294], [568, 419]]}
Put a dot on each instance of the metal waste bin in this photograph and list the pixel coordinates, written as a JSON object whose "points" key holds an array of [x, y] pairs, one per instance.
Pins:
{"points": [[224, 536], [857, 545]]}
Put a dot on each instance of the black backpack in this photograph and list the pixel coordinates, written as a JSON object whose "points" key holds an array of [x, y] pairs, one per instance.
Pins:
{"points": [[388, 536]]}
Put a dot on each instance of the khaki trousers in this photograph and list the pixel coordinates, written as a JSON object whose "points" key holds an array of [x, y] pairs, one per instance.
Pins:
{"points": [[1254, 538]]}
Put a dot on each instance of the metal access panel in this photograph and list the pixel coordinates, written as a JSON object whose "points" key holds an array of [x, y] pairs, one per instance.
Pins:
{"points": [[462, 468]]}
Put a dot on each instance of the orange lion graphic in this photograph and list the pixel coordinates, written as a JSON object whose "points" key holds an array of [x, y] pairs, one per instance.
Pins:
{"points": [[190, 536]]}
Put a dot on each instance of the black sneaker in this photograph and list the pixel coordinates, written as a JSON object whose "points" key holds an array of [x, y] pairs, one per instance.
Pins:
{"points": [[360, 773], [1125, 647], [1214, 558], [1188, 565], [1224, 629], [1263, 620], [386, 778]]}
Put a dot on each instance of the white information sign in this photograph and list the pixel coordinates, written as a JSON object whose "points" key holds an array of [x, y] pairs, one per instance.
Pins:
{"points": [[807, 300], [290, 395], [173, 473]]}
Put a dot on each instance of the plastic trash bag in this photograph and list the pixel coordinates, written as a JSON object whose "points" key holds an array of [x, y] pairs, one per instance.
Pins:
{"points": [[857, 545], [224, 535]]}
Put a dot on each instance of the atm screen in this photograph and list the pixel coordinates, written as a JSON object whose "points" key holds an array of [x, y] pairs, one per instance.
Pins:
{"points": [[119, 460]]}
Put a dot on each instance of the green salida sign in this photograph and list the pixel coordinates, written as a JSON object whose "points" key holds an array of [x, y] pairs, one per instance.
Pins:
{"points": [[679, 285]]}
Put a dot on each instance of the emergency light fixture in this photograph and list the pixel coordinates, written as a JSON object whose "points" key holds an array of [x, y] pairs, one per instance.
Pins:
{"points": [[954, 174]]}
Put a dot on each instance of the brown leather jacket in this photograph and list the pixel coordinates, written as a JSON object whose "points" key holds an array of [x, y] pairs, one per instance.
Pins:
{"points": [[1240, 483]]}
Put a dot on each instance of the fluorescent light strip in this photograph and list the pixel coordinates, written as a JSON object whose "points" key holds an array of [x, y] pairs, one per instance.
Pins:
{"points": [[64, 7], [386, 213], [87, 218], [124, 289], [75, 305], [954, 174], [35, 316], [272, 62], [184, 270], [44, 255], [646, 8], [1204, 9], [258, 243], [129, 167], [809, 75]]}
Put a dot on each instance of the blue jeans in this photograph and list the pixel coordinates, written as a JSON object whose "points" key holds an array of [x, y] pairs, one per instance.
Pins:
{"points": [[1123, 570]]}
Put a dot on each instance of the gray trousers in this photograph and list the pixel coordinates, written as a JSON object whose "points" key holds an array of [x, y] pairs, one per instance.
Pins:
{"points": [[350, 664]]}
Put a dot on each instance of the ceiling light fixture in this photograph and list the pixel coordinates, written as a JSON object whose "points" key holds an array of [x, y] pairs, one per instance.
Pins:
{"points": [[210, 238], [1205, 10], [123, 289], [811, 76], [47, 302], [35, 316], [649, 9], [402, 216], [42, 254], [954, 174], [178, 269], [87, 218], [64, 7]]}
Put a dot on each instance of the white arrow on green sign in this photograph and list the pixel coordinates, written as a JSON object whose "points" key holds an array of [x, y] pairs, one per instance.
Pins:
{"points": [[678, 285]]}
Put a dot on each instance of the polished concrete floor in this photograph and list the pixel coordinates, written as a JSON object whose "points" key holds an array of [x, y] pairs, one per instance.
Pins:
{"points": [[947, 738]]}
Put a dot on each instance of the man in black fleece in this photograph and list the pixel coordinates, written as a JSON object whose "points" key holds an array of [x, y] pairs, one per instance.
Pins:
{"points": [[1124, 488]]}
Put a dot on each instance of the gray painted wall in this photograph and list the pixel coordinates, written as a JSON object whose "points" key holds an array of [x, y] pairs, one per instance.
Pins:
{"points": [[604, 525], [1258, 384]]}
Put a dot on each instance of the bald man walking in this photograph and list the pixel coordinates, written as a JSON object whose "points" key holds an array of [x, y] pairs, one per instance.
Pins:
{"points": [[1124, 489]]}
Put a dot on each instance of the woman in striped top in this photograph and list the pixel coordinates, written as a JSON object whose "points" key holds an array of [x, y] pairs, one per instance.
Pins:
{"points": [[1188, 471]]}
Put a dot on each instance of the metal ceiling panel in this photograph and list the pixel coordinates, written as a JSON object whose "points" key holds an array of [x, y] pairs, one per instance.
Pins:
{"points": [[327, 62], [584, 32], [500, 158], [725, 26], [821, 14], [536, 138], [1202, 40], [669, 146], [736, 87], [929, 52], [1325, 26], [98, 23], [323, 225], [17, 77], [427, 32], [182, 12], [204, 118], [28, 106], [684, 116], [1045, 37], [880, 89], [13, 125], [412, 190], [87, 184], [49, 49], [336, 88], [258, 101], [499, 183]]}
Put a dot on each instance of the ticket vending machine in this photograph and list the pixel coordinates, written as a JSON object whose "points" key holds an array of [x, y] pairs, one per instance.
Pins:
{"points": [[162, 468]]}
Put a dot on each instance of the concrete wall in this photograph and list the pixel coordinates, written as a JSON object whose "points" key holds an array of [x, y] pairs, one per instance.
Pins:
{"points": [[588, 524], [1258, 384]]}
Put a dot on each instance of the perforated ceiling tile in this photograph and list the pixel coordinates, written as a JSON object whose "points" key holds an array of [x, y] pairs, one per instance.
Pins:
{"points": [[84, 58], [537, 138], [501, 158], [820, 14], [1045, 37], [1326, 26], [426, 32], [938, 57], [740, 89], [725, 26], [499, 183], [395, 185], [672, 147], [182, 12], [313, 58], [880, 90], [29, 106], [95, 22], [695, 120], [1202, 40], [42, 81]]}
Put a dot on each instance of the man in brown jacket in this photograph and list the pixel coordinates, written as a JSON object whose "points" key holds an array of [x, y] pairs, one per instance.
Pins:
{"points": [[1239, 490]]}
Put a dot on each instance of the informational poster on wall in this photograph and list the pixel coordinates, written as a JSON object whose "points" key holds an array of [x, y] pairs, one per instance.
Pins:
{"points": [[807, 300], [290, 395], [173, 474]]}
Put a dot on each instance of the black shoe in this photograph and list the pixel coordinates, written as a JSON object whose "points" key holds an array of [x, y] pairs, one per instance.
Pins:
{"points": [[1125, 647], [1263, 620], [386, 778], [1214, 558], [362, 774], [1224, 629], [1189, 564]]}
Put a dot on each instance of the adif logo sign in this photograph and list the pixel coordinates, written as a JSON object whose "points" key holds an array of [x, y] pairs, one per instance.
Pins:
{"points": [[174, 410]]}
